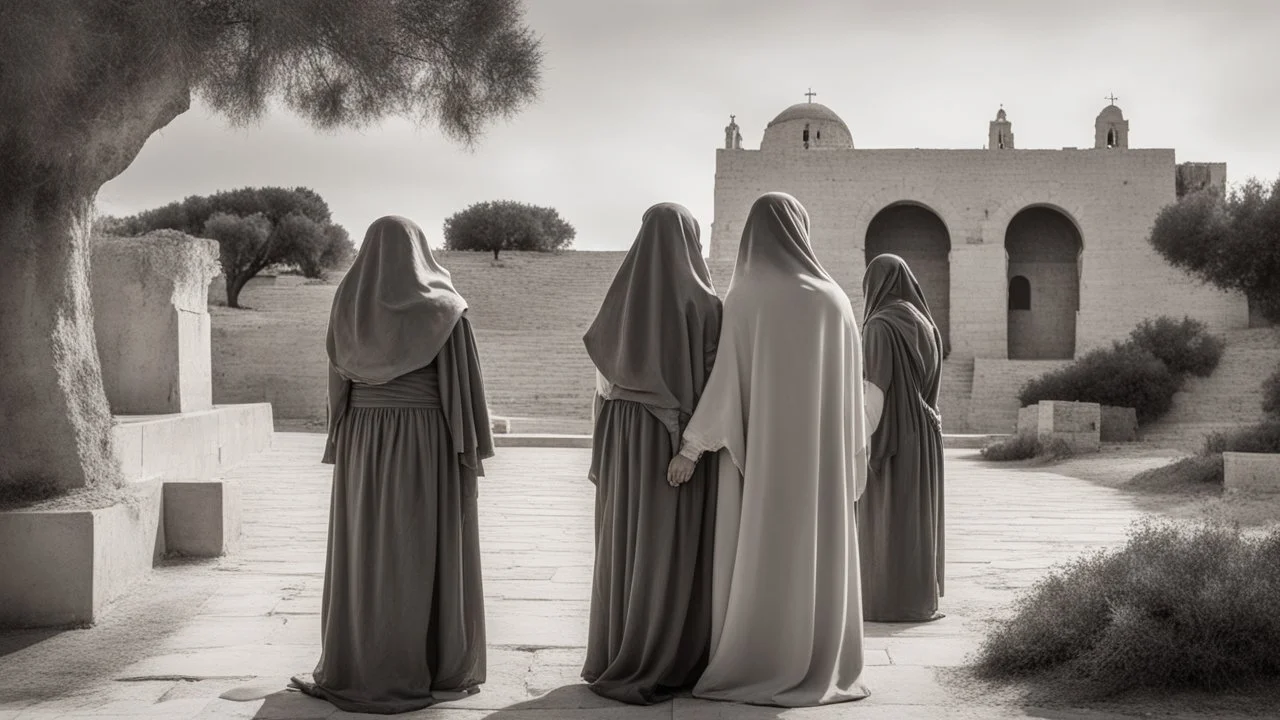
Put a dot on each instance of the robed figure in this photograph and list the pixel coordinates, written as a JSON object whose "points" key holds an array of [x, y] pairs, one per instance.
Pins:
{"points": [[653, 343], [402, 615], [900, 517], [784, 407]]}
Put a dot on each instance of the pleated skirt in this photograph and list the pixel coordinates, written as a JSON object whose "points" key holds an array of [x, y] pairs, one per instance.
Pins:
{"points": [[650, 620], [402, 616]]}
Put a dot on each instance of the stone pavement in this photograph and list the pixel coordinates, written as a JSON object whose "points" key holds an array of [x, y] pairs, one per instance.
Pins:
{"points": [[193, 631]]}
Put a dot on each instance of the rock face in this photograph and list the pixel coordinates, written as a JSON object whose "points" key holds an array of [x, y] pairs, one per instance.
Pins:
{"points": [[151, 320]]}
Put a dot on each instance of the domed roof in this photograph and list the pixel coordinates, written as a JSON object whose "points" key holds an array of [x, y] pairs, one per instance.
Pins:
{"points": [[806, 111], [1111, 112]]}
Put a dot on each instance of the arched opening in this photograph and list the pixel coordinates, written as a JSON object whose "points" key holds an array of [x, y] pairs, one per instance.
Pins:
{"points": [[1043, 247], [805, 136], [1019, 293], [917, 235], [1111, 138]]}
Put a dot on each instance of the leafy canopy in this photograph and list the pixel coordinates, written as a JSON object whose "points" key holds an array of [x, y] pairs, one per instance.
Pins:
{"points": [[507, 225], [102, 75], [255, 228], [1231, 242]]}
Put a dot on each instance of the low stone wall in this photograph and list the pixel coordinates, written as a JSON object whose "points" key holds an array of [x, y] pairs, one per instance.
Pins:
{"points": [[191, 446], [61, 568], [1251, 472], [1077, 424], [1119, 424]]}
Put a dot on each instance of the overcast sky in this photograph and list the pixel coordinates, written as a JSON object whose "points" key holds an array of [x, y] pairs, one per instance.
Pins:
{"points": [[636, 95]]}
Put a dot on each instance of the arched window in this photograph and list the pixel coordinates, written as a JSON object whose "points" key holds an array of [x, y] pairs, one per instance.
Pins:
{"points": [[1019, 293], [1111, 138], [806, 136]]}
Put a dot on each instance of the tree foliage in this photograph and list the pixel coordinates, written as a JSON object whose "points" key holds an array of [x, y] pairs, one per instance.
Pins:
{"points": [[507, 225], [255, 228], [85, 83], [1232, 242], [77, 74]]}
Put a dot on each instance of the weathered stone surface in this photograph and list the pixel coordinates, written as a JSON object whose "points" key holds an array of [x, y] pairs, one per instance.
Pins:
{"points": [[1119, 424], [191, 446], [1076, 424], [1252, 472], [202, 518], [63, 567], [259, 621], [151, 320]]}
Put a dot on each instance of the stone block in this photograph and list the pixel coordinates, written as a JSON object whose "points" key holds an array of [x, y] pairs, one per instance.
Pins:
{"points": [[62, 567], [202, 518], [191, 446], [1251, 472], [151, 321], [1076, 424], [1118, 424]]}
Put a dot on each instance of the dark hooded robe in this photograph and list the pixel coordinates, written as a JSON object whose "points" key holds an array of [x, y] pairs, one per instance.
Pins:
{"points": [[900, 516], [402, 614], [653, 344]]}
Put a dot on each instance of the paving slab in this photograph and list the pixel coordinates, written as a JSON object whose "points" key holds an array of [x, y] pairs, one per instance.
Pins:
{"points": [[240, 626]]}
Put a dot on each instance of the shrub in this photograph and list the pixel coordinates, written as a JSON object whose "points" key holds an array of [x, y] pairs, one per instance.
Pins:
{"points": [[1123, 375], [1185, 346], [1271, 395], [1199, 473], [1025, 447], [1261, 438], [1018, 447], [1174, 608]]}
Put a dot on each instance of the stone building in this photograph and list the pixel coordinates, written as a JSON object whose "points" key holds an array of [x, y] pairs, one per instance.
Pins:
{"points": [[1028, 257]]}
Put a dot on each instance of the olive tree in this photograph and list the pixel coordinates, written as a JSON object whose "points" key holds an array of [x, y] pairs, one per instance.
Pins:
{"points": [[85, 83]]}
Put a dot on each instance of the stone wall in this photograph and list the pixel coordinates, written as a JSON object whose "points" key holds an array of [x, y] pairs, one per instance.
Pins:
{"points": [[529, 311], [1112, 196]]}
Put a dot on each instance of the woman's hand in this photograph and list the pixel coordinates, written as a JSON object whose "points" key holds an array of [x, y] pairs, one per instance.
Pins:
{"points": [[679, 471]]}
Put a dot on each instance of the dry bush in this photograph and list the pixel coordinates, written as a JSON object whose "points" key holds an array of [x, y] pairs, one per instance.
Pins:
{"points": [[1175, 608]]}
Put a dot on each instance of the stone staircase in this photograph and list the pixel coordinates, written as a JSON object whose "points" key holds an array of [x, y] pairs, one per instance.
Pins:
{"points": [[1229, 398], [957, 390]]}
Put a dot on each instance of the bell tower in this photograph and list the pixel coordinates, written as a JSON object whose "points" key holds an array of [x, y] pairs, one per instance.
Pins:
{"points": [[1111, 130], [1000, 132]]}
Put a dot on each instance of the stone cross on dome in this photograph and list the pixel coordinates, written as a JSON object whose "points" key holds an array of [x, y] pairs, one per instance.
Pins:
{"points": [[810, 94]]}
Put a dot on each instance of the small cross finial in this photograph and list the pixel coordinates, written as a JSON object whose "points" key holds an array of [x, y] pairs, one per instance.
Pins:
{"points": [[731, 119], [1112, 97], [810, 94]]}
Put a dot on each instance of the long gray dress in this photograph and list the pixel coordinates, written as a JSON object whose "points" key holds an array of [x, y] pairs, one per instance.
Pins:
{"points": [[650, 621], [653, 343], [402, 616], [900, 517]]}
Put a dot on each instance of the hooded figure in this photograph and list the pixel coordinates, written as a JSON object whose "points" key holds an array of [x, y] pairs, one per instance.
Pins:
{"points": [[900, 518], [402, 616], [653, 344], [784, 405]]}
